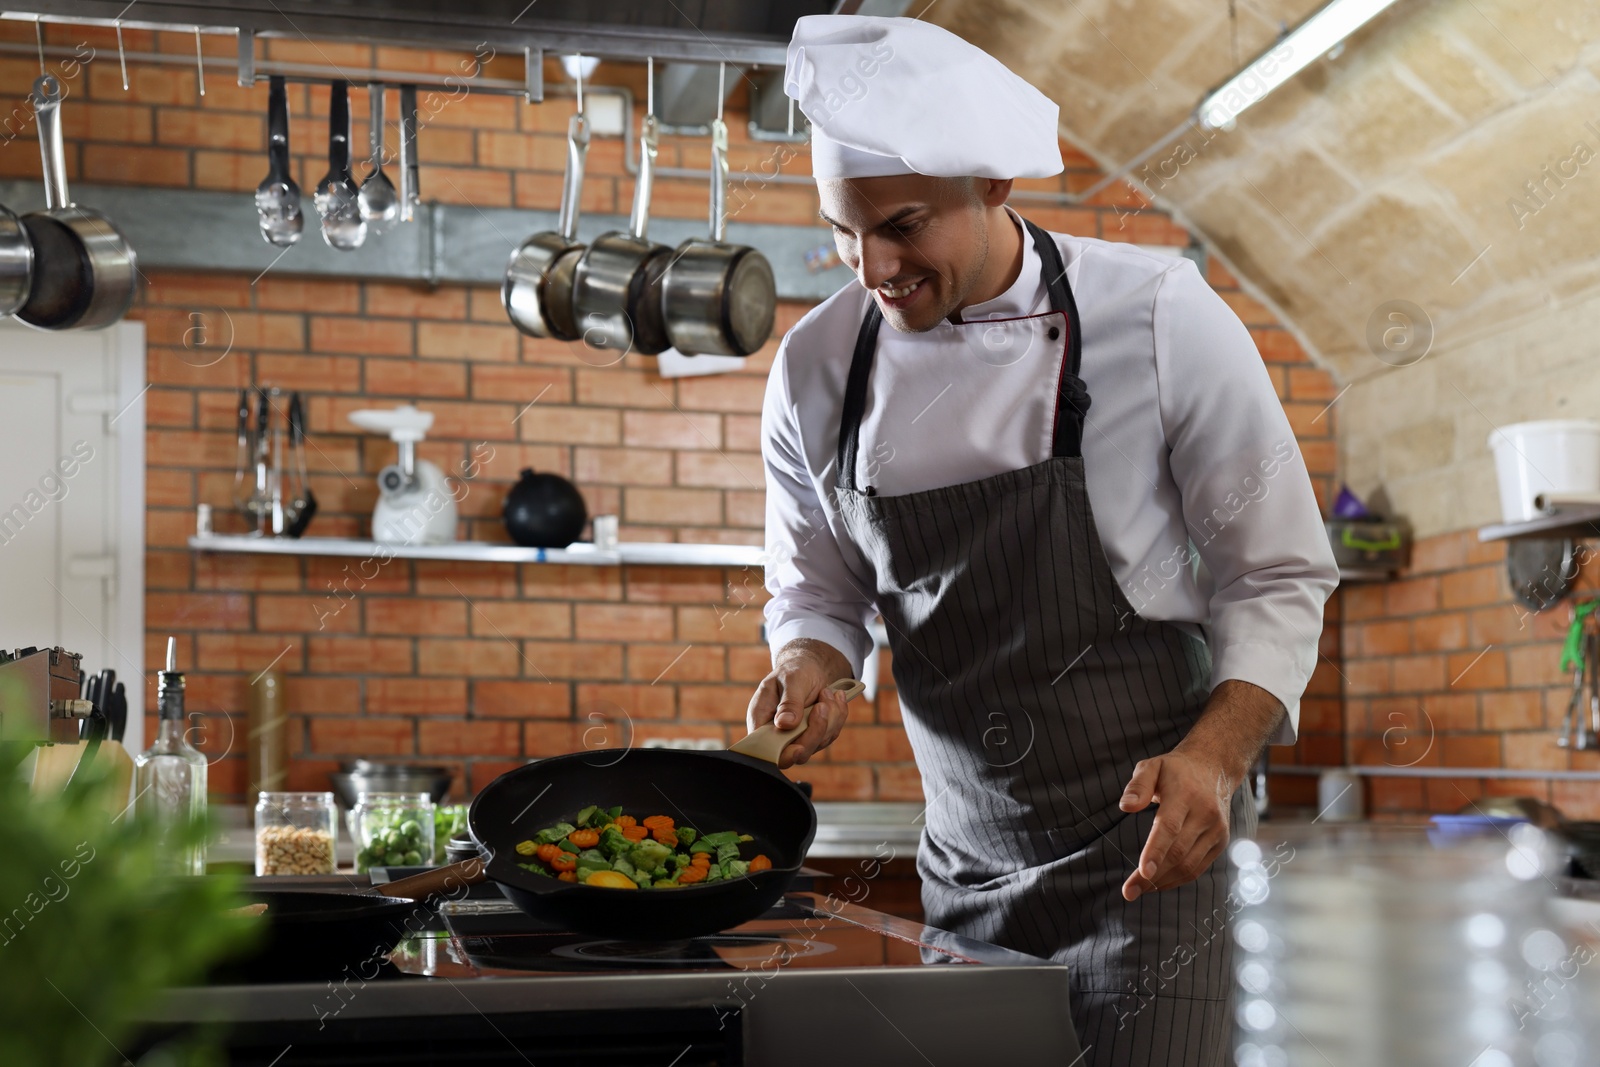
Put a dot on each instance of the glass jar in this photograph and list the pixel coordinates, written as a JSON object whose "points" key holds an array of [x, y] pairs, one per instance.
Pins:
{"points": [[295, 833], [392, 830]]}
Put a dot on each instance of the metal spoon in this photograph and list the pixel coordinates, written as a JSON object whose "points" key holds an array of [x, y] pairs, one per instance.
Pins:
{"points": [[278, 196], [338, 198], [380, 205], [410, 196]]}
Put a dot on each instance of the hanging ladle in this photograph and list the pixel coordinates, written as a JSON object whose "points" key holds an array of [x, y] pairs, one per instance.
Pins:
{"points": [[337, 197], [380, 205], [278, 195]]}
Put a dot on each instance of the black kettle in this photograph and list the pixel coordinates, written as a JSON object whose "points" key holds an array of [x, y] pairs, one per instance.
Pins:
{"points": [[544, 511]]}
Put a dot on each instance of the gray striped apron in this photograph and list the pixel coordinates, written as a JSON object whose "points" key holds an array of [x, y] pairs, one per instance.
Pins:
{"points": [[1030, 688]]}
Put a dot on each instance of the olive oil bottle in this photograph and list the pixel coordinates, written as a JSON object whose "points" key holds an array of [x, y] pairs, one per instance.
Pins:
{"points": [[170, 776]]}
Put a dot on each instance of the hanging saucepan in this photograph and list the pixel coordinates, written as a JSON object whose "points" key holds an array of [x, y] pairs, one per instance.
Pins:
{"points": [[616, 290], [717, 298], [537, 292], [16, 262], [84, 271]]}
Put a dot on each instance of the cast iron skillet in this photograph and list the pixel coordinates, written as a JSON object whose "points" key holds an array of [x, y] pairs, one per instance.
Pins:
{"points": [[710, 791]]}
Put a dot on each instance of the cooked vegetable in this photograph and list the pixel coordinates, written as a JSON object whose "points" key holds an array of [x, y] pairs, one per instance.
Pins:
{"points": [[604, 847], [611, 880]]}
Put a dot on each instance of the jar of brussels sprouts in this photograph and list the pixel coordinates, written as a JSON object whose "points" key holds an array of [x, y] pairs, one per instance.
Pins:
{"points": [[392, 830]]}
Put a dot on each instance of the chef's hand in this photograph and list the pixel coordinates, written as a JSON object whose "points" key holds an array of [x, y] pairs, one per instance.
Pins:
{"points": [[1194, 784], [801, 674], [1191, 827]]}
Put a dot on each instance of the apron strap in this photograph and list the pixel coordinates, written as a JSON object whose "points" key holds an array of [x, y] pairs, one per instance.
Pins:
{"points": [[855, 395], [1072, 397]]}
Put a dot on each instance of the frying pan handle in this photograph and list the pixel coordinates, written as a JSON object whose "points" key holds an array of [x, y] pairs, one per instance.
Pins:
{"points": [[767, 742], [441, 881], [572, 185], [408, 152], [719, 178], [47, 106], [639, 225]]}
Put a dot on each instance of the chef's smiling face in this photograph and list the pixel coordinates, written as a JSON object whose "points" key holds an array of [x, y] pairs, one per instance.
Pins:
{"points": [[920, 244]]}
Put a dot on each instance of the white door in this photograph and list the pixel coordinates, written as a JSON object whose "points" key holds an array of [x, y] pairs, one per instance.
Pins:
{"points": [[72, 498]]}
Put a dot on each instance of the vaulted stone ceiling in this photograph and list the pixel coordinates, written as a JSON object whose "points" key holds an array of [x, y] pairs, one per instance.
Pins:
{"points": [[1398, 169]]}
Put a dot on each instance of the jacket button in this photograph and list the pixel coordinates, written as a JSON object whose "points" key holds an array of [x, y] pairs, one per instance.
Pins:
{"points": [[1053, 333]]}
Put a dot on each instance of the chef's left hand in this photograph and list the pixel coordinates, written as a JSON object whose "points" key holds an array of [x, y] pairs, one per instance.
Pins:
{"points": [[1191, 827]]}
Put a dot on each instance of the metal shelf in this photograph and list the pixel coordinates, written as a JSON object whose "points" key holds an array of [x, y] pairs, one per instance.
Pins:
{"points": [[583, 553], [1577, 523]]}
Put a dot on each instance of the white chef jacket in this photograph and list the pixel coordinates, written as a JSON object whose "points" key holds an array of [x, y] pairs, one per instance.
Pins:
{"points": [[1200, 496]]}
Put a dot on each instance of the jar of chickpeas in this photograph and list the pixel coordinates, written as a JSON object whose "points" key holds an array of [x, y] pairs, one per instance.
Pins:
{"points": [[295, 833]]}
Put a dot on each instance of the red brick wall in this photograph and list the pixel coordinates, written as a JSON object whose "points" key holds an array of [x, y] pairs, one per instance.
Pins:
{"points": [[481, 665], [1444, 668]]}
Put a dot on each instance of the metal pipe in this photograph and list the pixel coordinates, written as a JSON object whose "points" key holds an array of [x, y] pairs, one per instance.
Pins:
{"points": [[310, 74]]}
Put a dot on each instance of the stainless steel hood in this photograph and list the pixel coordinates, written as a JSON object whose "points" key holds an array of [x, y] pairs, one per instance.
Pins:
{"points": [[748, 32]]}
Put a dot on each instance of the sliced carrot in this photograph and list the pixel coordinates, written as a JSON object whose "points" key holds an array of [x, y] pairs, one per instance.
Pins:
{"points": [[655, 821], [568, 876], [760, 863], [625, 821], [635, 833], [701, 859], [691, 874], [548, 852], [584, 838], [666, 835], [563, 861]]}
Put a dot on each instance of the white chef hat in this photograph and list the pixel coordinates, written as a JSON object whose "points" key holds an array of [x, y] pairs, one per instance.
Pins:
{"points": [[899, 96]]}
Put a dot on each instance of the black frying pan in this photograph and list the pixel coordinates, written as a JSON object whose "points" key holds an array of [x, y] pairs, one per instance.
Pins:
{"points": [[711, 791], [328, 934], [707, 790]]}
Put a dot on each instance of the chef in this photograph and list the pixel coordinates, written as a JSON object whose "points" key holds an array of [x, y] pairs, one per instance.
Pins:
{"points": [[1057, 469]]}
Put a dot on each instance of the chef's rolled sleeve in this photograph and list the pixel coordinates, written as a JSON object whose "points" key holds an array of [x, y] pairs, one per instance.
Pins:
{"points": [[1248, 505], [814, 594]]}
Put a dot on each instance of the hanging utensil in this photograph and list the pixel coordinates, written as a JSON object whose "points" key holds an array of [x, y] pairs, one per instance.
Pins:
{"points": [[304, 505], [1574, 705], [380, 205], [258, 507], [616, 289], [85, 273], [278, 195], [16, 262], [537, 293], [1592, 739], [718, 298], [337, 197], [410, 190], [245, 455]]}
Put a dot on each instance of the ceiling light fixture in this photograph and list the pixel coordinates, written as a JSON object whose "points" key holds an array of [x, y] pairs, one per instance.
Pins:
{"points": [[1287, 57]]}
